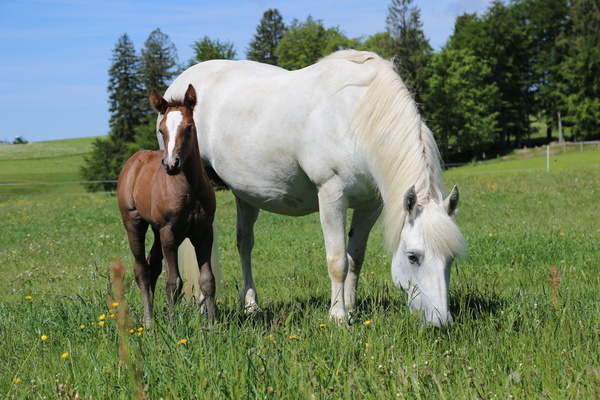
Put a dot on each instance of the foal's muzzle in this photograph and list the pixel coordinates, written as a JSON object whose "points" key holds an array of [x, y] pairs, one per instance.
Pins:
{"points": [[172, 165]]}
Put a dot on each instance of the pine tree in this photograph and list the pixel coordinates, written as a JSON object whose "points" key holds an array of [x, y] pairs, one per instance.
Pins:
{"points": [[126, 104], [126, 93], [408, 44], [266, 39], [158, 64]]}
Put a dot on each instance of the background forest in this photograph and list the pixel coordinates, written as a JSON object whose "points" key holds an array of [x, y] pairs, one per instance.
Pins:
{"points": [[524, 73]]}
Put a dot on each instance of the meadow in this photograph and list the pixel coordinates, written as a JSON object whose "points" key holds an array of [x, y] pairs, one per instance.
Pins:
{"points": [[526, 298]]}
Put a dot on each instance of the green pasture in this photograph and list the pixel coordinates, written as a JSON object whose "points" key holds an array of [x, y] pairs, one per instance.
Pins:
{"points": [[526, 299]]}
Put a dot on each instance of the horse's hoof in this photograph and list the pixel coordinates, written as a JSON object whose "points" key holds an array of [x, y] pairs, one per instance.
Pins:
{"points": [[252, 308]]}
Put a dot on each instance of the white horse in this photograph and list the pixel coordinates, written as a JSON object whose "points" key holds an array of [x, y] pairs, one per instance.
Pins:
{"points": [[342, 133]]}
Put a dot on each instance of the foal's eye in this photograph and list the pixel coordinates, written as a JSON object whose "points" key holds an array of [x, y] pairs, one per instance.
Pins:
{"points": [[413, 258]]}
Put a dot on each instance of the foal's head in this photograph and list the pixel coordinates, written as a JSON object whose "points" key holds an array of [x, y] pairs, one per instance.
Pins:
{"points": [[177, 128]]}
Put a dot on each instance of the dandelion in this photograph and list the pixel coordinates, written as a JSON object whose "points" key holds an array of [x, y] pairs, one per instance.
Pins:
{"points": [[271, 337], [81, 326], [322, 325], [292, 337], [44, 338], [367, 344], [27, 297], [115, 304], [16, 380], [140, 329], [101, 317], [139, 333], [367, 322], [219, 301], [490, 234], [182, 341], [101, 323], [64, 355], [562, 234]]}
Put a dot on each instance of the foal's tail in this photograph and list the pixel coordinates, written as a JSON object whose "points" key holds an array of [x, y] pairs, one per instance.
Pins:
{"points": [[189, 270]]}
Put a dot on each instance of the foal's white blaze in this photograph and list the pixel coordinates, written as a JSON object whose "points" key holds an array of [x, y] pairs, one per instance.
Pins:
{"points": [[174, 119]]}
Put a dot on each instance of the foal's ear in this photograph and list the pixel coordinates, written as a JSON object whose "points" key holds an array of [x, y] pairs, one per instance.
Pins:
{"points": [[451, 202], [190, 97], [410, 202], [158, 102]]}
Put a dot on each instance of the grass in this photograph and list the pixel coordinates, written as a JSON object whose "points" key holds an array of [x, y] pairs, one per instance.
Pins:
{"points": [[525, 301], [48, 163]]}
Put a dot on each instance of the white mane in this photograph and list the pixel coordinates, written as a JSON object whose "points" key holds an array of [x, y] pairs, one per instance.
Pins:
{"points": [[401, 148]]}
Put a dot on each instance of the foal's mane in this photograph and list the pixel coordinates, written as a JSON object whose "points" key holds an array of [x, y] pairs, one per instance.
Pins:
{"points": [[400, 147]]}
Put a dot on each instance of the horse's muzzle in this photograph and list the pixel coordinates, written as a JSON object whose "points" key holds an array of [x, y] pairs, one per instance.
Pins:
{"points": [[172, 165]]}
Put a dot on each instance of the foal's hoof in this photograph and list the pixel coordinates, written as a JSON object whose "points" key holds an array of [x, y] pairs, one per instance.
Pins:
{"points": [[252, 309]]}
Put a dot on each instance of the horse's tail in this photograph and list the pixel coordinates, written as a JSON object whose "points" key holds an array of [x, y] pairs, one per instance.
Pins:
{"points": [[190, 272]]}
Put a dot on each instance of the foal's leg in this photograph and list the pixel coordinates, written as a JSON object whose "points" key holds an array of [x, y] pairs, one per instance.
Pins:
{"points": [[203, 247], [332, 210], [136, 233], [155, 257], [246, 217], [169, 244], [362, 222]]}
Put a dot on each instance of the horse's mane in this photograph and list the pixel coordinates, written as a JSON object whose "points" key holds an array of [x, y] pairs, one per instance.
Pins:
{"points": [[399, 145]]}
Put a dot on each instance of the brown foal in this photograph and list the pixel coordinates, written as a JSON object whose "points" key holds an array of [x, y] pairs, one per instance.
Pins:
{"points": [[169, 191]]}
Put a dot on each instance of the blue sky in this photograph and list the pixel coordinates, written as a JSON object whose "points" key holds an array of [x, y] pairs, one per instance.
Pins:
{"points": [[56, 53]]}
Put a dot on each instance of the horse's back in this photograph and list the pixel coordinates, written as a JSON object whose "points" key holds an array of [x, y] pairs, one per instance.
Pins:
{"points": [[276, 136]]}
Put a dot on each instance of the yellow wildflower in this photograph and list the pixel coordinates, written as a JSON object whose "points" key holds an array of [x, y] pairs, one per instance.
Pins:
{"points": [[44, 338], [367, 322], [64, 355], [182, 341]]}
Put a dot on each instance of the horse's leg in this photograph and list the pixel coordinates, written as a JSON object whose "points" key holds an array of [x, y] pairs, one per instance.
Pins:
{"points": [[362, 222], [203, 246], [136, 233], [155, 257], [246, 217], [169, 245], [332, 210]]}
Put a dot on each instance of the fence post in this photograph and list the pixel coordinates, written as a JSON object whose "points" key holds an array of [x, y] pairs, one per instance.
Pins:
{"points": [[548, 158]]}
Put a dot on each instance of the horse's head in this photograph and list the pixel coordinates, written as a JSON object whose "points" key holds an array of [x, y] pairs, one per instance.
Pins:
{"points": [[176, 128], [429, 242]]}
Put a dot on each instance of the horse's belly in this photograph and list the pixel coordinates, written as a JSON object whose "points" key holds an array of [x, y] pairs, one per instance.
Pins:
{"points": [[294, 196]]}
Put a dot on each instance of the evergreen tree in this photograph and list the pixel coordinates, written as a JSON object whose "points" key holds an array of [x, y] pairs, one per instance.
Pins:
{"points": [[408, 44], [126, 104], [266, 39], [581, 70], [208, 49], [158, 63], [304, 43]]}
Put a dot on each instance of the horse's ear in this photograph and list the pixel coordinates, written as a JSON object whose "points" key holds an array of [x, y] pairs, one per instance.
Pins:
{"points": [[158, 102], [451, 202], [410, 202], [190, 97]]}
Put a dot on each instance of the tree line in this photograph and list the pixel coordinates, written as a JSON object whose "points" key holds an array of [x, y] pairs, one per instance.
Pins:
{"points": [[499, 77]]}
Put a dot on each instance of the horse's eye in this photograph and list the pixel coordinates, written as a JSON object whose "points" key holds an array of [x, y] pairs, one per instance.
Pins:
{"points": [[413, 258], [189, 128], [161, 132]]}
